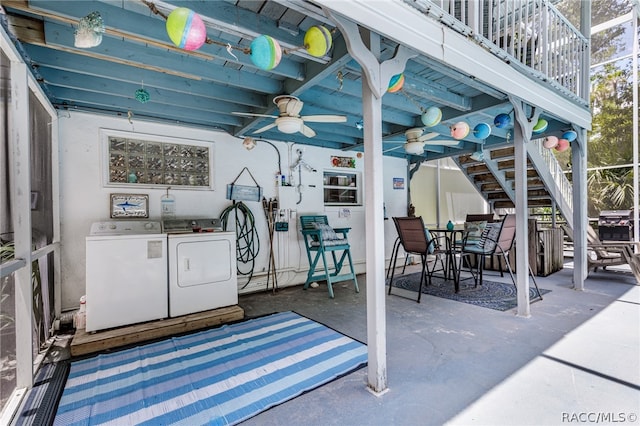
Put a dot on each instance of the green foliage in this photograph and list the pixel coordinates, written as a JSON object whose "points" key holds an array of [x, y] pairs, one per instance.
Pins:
{"points": [[610, 142], [605, 43]]}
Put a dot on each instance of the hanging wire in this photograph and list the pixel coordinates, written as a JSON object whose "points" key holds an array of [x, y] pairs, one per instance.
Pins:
{"points": [[413, 101], [228, 46], [247, 239]]}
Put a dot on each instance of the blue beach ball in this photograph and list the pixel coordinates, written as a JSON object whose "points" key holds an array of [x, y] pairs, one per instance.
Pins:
{"points": [[482, 131], [502, 120]]}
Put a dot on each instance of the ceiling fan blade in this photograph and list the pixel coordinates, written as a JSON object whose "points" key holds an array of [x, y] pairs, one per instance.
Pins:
{"points": [[250, 114], [448, 142], [428, 136], [307, 131], [393, 149], [324, 118], [265, 128]]}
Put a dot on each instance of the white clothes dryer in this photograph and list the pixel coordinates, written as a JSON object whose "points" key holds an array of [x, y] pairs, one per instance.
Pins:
{"points": [[126, 273], [202, 267]]}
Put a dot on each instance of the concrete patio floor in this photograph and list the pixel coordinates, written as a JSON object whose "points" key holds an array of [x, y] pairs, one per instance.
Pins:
{"points": [[575, 360]]}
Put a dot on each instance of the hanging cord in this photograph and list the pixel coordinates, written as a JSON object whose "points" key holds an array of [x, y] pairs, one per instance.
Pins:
{"points": [[247, 239]]}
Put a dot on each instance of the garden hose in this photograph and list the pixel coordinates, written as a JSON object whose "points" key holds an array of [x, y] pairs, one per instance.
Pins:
{"points": [[247, 239]]}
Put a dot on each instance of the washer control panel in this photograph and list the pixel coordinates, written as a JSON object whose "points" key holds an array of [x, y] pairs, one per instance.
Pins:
{"points": [[125, 227]]}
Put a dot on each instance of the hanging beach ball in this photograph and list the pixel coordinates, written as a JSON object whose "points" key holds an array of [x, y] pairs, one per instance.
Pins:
{"points": [[563, 145], [570, 135], [317, 41], [396, 83], [265, 52], [540, 126], [460, 130], [431, 117], [550, 142], [186, 29], [482, 131], [502, 120]]}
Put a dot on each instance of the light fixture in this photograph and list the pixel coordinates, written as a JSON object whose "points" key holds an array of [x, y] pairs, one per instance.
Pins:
{"points": [[289, 124], [249, 143], [414, 148]]}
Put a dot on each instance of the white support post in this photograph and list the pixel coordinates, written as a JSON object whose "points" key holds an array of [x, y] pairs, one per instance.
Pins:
{"points": [[580, 220], [521, 136], [375, 79], [579, 166], [636, 142], [374, 231], [20, 159]]}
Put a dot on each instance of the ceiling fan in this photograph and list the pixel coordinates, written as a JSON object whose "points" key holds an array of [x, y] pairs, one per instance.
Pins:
{"points": [[290, 121], [416, 140]]}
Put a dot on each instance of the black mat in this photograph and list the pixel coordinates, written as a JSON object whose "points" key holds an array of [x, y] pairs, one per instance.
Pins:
{"points": [[40, 407], [492, 294]]}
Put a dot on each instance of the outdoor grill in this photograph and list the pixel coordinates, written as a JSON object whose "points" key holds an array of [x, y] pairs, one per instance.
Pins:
{"points": [[615, 225]]}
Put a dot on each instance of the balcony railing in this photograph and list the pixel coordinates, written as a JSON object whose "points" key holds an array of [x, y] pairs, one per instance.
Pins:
{"points": [[533, 33]]}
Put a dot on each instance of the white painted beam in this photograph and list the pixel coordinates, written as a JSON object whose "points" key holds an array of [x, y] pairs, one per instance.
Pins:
{"points": [[409, 27]]}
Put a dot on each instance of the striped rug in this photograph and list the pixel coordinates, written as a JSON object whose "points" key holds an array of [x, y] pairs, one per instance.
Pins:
{"points": [[219, 376]]}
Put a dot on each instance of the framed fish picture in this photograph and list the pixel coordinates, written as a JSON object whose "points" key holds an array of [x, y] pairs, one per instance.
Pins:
{"points": [[129, 206]]}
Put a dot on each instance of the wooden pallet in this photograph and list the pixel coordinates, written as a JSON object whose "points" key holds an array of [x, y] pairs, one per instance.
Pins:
{"points": [[84, 343]]}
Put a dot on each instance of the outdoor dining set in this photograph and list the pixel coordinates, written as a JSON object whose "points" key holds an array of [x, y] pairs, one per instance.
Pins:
{"points": [[451, 250]]}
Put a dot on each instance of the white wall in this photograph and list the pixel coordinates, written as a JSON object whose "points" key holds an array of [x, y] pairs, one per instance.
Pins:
{"points": [[457, 195], [84, 199]]}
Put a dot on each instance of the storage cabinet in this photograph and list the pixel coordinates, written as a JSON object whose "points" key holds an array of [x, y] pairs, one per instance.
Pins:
{"points": [[342, 188]]}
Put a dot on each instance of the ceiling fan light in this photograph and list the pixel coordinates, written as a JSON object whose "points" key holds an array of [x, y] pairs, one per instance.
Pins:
{"points": [[415, 148], [288, 124]]}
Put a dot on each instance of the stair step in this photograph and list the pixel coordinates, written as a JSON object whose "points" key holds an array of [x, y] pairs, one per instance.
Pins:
{"points": [[531, 194], [511, 174], [502, 153], [490, 184]]}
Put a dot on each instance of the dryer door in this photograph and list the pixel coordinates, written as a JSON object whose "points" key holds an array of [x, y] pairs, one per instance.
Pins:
{"points": [[203, 262]]}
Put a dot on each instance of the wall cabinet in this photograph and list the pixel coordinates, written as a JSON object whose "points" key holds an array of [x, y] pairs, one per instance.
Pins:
{"points": [[342, 188]]}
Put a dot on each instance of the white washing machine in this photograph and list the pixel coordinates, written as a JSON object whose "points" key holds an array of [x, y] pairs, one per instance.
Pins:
{"points": [[126, 272], [202, 266]]}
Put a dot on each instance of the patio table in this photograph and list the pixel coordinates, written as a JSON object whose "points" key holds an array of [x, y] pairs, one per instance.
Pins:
{"points": [[451, 249]]}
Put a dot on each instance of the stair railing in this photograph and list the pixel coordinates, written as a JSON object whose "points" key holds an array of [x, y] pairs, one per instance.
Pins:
{"points": [[562, 183]]}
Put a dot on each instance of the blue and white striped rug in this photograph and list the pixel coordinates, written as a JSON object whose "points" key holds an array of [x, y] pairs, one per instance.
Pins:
{"points": [[219, 376]]}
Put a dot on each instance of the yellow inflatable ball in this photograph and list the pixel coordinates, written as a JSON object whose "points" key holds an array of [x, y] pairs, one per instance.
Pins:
{"points": [[317, 41]]}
